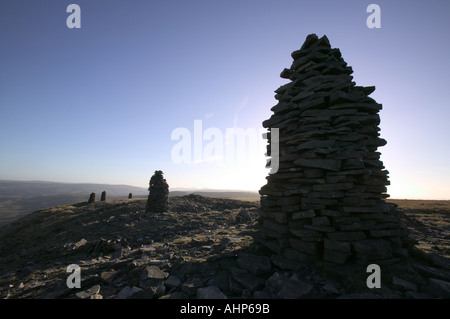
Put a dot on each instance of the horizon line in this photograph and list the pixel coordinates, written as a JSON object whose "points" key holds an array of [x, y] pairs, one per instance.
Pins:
{"points": [[185, 189]]}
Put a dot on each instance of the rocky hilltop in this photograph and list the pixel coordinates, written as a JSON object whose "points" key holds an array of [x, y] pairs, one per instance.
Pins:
{"points": [[199, 248]]}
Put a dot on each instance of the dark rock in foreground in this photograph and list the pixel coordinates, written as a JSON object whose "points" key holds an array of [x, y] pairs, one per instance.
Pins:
{"points": [[199, 248]]}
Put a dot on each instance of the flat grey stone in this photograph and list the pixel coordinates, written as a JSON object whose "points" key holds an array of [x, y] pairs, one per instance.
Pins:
{"points": [[153, 272], [440, 287], [373, 249], [303, 214], [127, 292], [80, 243], [340, 246], [190, 287], [431, 272], [210, 292], [331, 288], [328, 164], [284, 262], [310, 248], [364, 295], [257, 265], [417, 295], [108, 276], [261, 295], [403, 284], [307, 234], [152, 278], [298, 255], [172, 281], [86, 294], [247, 279], [321, 221], [289, 287], [334, 256], [295, 289], [347, 236], [175, 295]]}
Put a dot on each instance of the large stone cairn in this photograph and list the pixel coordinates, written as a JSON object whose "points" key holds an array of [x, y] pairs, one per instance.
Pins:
{"points": [[159, 193], [326, 201]]}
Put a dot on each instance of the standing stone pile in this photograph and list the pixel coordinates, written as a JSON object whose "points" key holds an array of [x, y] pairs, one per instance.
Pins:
{"points": [[326, 201], [103, 196], [91, 198], [130, 195], [159, 193]]}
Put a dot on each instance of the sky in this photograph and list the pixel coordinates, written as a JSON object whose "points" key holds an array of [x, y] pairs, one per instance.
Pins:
{"points": [[127, 92]]}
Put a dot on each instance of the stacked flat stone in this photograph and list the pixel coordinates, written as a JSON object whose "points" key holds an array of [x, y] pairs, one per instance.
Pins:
{"points": [[103, 196], [159, 193], [91, 198], [327, 199]]}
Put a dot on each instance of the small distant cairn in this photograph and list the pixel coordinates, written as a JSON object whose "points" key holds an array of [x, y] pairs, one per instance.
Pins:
{"points": [[103, 198], [130, 196], [159, 193], [91, 198]]}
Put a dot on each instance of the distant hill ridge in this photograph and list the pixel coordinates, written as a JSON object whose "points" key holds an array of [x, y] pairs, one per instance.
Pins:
{"points": [[44, 188], [19, 198]]}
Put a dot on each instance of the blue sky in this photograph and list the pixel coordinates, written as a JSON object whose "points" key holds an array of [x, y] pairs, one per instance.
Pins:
{"points": [[99, 104]]}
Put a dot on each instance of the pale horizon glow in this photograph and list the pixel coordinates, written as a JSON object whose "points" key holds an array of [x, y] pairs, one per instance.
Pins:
{"points": [[99, 104]]}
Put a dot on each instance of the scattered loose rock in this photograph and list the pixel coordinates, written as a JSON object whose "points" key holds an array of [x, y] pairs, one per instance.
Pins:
{"points": [[126, 252], [89, 293]]}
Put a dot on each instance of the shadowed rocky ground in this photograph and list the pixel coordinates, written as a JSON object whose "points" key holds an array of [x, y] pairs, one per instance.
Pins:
{"points": [[201, 248], [428, 222]]}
